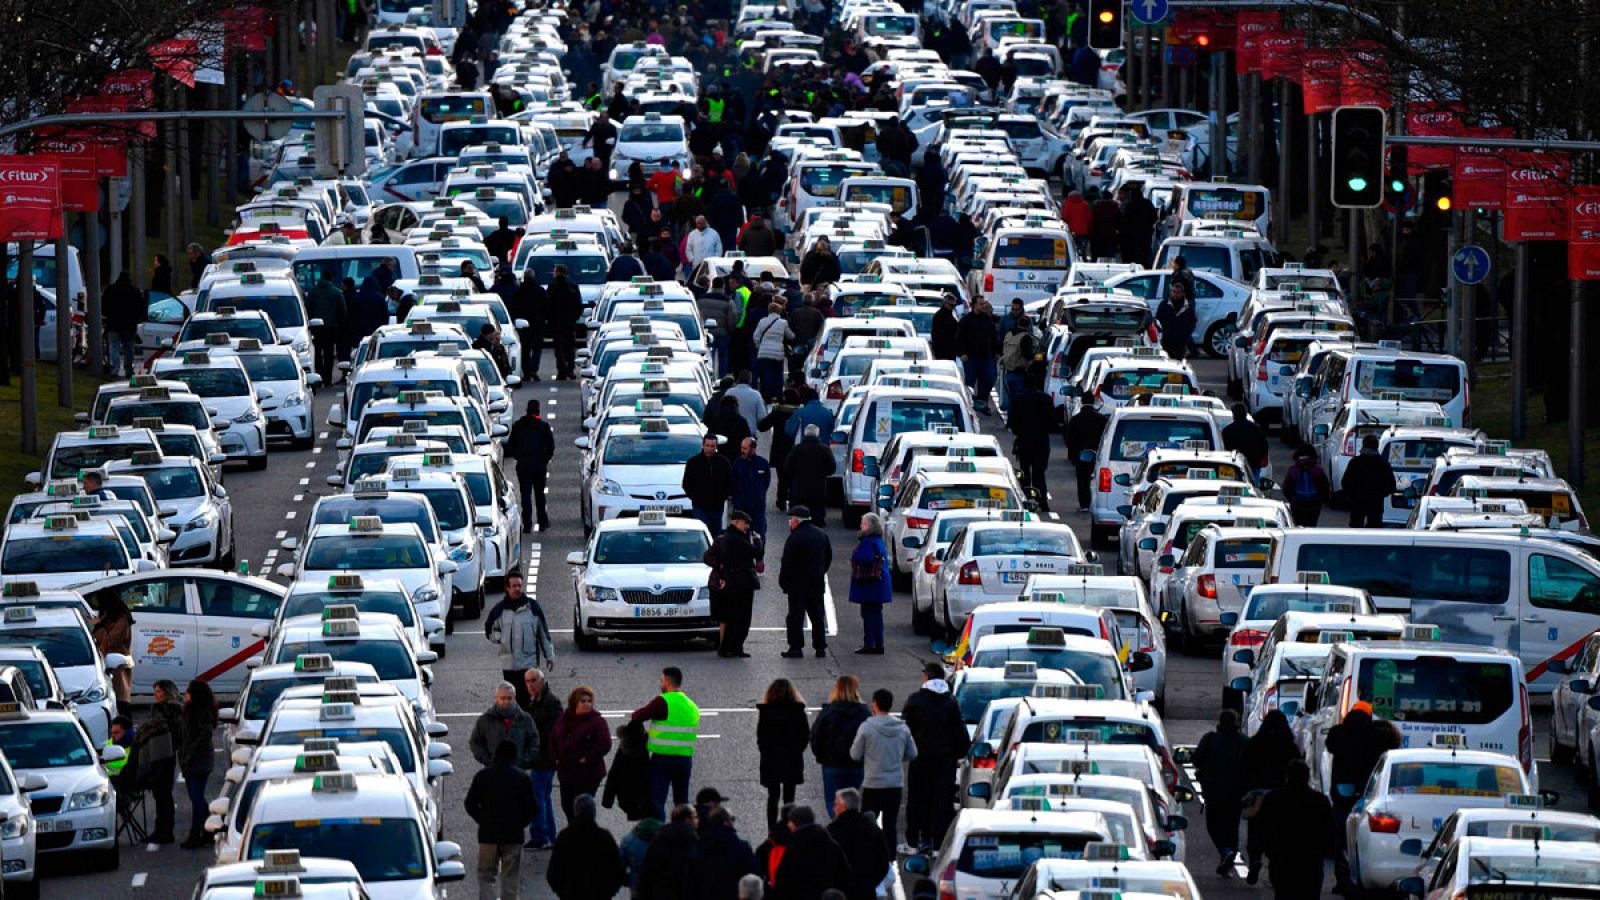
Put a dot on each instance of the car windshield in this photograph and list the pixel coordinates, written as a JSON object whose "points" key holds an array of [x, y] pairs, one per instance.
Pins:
{"points": [[395, 348], [263, 694], [243, 327], [173, 482], [45, 745], [1068, 731], [67, 462], [190, 413], [1009, 856], [62, 647], [1091, 668], [1136, 437], [1454, 779], [380, 849], [284, 310], [437, 110], [398, 418], [33, 672], [1437, 689], [650, 546], [271, 366], [212, 382], [650, 449], [1031, 252], [367, 391], [1411, 379], [308, 603], [823, 180], [1024, 541], [453, 141], [650, 133], [449, 506], [582, 268], [62, 553], [393, 510], [1125, 383], [379, 551], [392, 660]]}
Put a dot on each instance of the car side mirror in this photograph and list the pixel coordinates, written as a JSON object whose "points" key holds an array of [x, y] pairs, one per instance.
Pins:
{"points": [[483, 520], [112, 753], [1241, 342], [313, 379], [1594, 703], [285, 570], [1166, 560], [334, 481], [1320, 430], [1122, 479], [33, 478], [1228, 619], [1177, 823], [241, 755], [513, 380], [581, 443], [315, 323], [1245, 656], [1411, 884], [911, 542], [577, 558], [32, 781], [1139, 661], [939, 554], [980, 791], [437, 729], [1125, 510], [438, 750], [218, 807], [336, 415], [1581, 686], [838, 437], [447, 568], [1183, 756], [426, 657], [1557, 667], [1147, 544], [261, 630], [1240, 684], [342, 444], [118, 661], [1163, 847], [228, 715], [439, 768], [290, 544], [1158, 528], [869, 468], [1267, 484], [918, 865], [213, 824]]}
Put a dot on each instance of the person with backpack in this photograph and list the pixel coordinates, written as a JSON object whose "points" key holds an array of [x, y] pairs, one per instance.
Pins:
{"points": [[1305, 486], [1016, 354], [518, 624]]}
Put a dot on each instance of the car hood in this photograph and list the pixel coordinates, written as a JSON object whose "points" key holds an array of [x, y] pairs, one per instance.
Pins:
{"points": [[67, 780], [668, 478], [673, 575], [183, 510]]}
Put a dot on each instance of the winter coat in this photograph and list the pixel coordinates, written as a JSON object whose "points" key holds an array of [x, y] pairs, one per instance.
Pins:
{"points": [[531, 443], [523, 634], [1318, 484], [736, 554], [1030, 419], [870, 548], [716, 307], [1368, 480], [161, 736], [1078, 215], [368, 311], [566, 303], [806, 323], [770, 338], [496, 725], [752, 477], [702, 245], [626, 267], [717, 862], [501, 801], [862, 842], [544, 709], [809, 466], [1177, 326], [196, 753], [975, 335], [807, 557], [1291, 820], [883, 745], [781, 735], [584, 863], [1265, 758], [628, 783], [834, 731], [326, 302], [1083, 432], [934, 718], [724, 214], [1249, 439], [812, 863], [633, 847], [819, 267], [124, 306], [760, 240], [1355, 745], [751, 406], [1107, 227], [582, 741], [708, 480], [730, 425], [944, 341], [661, 877], [1218, 763], [812, 412]]}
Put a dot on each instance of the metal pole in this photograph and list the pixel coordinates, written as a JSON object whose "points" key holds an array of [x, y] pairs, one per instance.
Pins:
{"points": [[1185, 87], [91, 283], [64, 307], [1577, 405], [1467, 295], [30, 349], [1313, 214], [186, 175], [1355, 253], [1166, 68], [114, 229], [138, 253], [1452, 316], [1146, 69], [171, 191], [1285, 138], [1257, 131], [1519, 343], [1219, 114]]}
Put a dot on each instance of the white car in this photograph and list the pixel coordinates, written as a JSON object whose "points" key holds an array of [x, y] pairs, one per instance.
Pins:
{"points": [[192, 503], [937, 537], [1266, 603], [639, 468], [652, 140], [642, 578], [387, 596], [78, 807], [992, 561], [986, 851], [463, 527], [1515, 866], [222, 383], [377, 639], [60, 552], [493, 498], [283, 389], [1278, 683], [19, 833], [373, 548], [267, 683]]}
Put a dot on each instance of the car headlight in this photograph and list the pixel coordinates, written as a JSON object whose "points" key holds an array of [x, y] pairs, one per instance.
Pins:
{"points": [[461, 554], [94, 694], [246, 417], [204, 520], [610, 488], [15, 827], [89, 799], [602, 595], [424, 595], [302, 346], [702, 594], [294, 399]]}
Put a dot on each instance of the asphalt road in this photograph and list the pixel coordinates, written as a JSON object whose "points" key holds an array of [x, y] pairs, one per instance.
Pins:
{"points": [[270, 505]]}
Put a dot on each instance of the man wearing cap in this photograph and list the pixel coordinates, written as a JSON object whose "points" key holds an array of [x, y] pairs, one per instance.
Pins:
{"points": [[803, 577], [736, 560]]}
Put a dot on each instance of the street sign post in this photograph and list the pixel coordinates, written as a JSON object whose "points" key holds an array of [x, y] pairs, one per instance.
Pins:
{"points": [[341, 143], [1148, 12], [267, 129], [1470, 264]]}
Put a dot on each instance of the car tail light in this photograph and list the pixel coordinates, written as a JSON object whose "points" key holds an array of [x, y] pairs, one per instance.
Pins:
{"points": [[1105, 481], [1261, 370], [1155, 337], [1094, 171], [1351, 447], [969, 574], [1169, 769], [1525, 735], [983, 762], [947, 883], [914, 522], [1248, 637], [988, 283], [1208, 586], [1383, 823], [1147, 638], [1269, 699], [1166, 550], [858, 460], [930, 564], [835, 390]]}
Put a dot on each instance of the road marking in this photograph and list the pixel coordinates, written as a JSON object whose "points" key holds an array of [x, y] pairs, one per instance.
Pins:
{"points": [[299, 498], [1054, 515], [316, 449], [312, 464], [290, 514], [281, 535], [151, 848], [322, 436], [139, 879], [305, 482], [829, 614], [551, 417], [552, 403]]}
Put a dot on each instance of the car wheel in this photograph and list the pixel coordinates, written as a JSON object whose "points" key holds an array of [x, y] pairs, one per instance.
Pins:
{"points": [[1558, 753], [1101, 535], [852, 516], [256, 463], [921, 620], [110, 859], [305, 443], [1219, 338], [450, 622], [584, 640], [24, 890], [1189, 644]]}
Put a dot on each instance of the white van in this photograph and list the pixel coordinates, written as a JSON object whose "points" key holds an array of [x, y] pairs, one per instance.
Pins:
{"points": [[899, 193], [1024, 262], [1131, 433], [1246, 204], [1395, 374], [884, 413], [1537, 598], [435, 108]]}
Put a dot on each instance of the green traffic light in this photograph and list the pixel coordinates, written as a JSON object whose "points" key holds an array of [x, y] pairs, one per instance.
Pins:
{"points": [[1357, 183], [1397, 186]]}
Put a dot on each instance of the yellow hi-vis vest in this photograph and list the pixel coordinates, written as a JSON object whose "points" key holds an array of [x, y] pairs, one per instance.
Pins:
{"points": [[714, 109], [675, 735]]}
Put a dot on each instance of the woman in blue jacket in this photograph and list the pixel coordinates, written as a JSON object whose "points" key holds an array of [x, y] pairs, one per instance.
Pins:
{"points": [[869, 583]]}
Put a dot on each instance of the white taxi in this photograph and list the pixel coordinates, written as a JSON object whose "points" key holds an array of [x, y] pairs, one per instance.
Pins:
{"points": [[192, 502], [985, 851], [282, 387], [944, 527], [222, 383], [639, 468], [61, 552], [77, 811], [908, 512], [368, 595], [642, 578], [277, 864], [347, 635], [992, 561], [464, 528], [1266, 603], [1522, 865], [19, 835], [62, 635], [266, 683], [374, 548], [493, 499]]}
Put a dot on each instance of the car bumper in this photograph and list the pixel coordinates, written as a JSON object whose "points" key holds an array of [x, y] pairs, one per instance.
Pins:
{"points": [[294, 422], [83, 830], [1205, 616], [610, 506], [19, 856], [1381, 862], [629, 620], [195, 547], [963, 599]]}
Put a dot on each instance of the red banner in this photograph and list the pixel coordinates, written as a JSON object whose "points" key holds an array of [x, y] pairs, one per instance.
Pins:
{"points": [[1321, 77], [74, 152], [1365, 78], [1433, 119], [246, 28], [110, 151], [134, 88], [30, 198], [1478, 179], [1537, 185], [1252, 27], [177, 57], [1282, 52], [1583, 233]]}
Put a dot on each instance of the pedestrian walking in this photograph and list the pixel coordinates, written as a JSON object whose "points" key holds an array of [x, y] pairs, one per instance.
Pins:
{"points": [[1079, 216], [518, 624], [1354, 745], [714, 306], [1083, 434], [585, 863], [803, 577], [1296, 840], [1137, 225], [772, 337], [1248, 439], [812, 863], [197, 757], [1176, 316], [883, 745], [1218, 763], [752, 480], [862, 842], [977, 341], [782, 734], [869, 583], [708, 483], [719, 860], [934, 718], [944, 331], [820, 266], [672, 721], [1368, 483], [156, 749], [502, 722], [543, 707], [667, 859], [1305, 486], [809, 466], [125, 310], [725, 421], [1265, 763], [500, 801], [778, 450], [199, 260], [1105, 236], [734, 558], [326, 303], [1029, 420], [582, 739], [531, 304], [628, 782], [501, 241], [161, 275], [833, 733], [752, 406], [565, 305], [1016, 353]]}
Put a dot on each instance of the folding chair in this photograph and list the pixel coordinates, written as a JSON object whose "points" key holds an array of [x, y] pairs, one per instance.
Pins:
{"points": [[133, 816]]}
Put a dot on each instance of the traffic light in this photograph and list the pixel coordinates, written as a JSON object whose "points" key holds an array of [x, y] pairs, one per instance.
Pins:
{"points": [[1396, 186], [1358, 176], [1105, 24]]}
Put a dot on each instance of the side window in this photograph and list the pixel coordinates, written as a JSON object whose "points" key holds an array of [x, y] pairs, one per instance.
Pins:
{"points": [[221, 597], [1146, 286], [1555, 583], [1197, 552], [159, 595], [1205, 290], [1462, 575]]}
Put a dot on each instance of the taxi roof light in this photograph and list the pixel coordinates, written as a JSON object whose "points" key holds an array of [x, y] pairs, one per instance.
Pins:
{"points": [[147, 458], [153, 423], [1421, 633], [19, 589], [61, 488], [653, 517], [21, 613], [1086, 692], [1524, 801], [1021, 670], [334, 782], [280, 861], [60, 523], [214, 339], [340, 612], [321, 761], [1047, 637], [1105, 851], [313, 662], [414, 427], [336, 711], [405, 473], [1336, 637], [1314, 578], [366, 523], [159, 392], [401, 440], [335, 684], [341, 698], [104, 431], [1448, 740]]}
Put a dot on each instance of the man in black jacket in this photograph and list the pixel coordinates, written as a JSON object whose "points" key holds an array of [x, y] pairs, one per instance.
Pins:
{"points": [[530, 303], [945, 327], [1295, 846], [1250, 439], [566, 308], [808, 467], [738, 553], [602, 137], [1083, 441], [802, 576], [1368, 482], [708, 482], [976, 338], [584, 863], [124, 308], [500, 800], [935, 721], [1030, 417], [862, 842], [812, 861], [500, 241], [532, 444], [545, 709]]}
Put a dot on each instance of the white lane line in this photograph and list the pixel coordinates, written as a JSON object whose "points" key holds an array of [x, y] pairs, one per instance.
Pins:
{"points": [[312, 464], [305, 482], [552, 403], [290, 514], [322, 436], [151, 848], [830, 615], [551, 416], [299, 498], [552, 390], [281, 535], [316, 449], [1055, 515], [139, 879]]}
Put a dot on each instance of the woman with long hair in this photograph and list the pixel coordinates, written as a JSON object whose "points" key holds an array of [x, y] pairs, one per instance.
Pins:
{"points": [[156, 755], [582, 740], [113, 633], [1265, 760], [197, 757], [831, 735], [781, 736]]}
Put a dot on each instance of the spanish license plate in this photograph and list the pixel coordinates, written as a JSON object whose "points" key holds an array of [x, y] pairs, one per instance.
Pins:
{"points": [[1014, 577], [654, 612], [52, 824], [669, 508]]}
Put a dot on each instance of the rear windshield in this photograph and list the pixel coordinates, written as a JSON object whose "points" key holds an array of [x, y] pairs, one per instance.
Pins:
{"points": [[1125, 383], [1023, 542], [1419, 453], [1271, 605], [965, 496], [1454, 779], [823, 181], [1288, 350], [900, 416], [1136, 437], [1222, 203], [1437, 689], [898, 196], [1091, 668], [1009, 856], [1540, 502], [1066, 731], [1412, 379], [1031, 252], [1225, 471]]}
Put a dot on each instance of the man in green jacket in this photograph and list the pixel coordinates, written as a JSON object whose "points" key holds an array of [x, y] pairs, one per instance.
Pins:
{"points": [[325, 303]]}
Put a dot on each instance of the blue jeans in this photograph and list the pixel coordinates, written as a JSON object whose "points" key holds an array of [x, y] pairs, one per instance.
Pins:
{"points": [[871, 624], [669, 771], [835, 779], [712, 518], [1013, 385], [120, 346], [770, 374], [543, 828], [719, 350], [979, 374]]}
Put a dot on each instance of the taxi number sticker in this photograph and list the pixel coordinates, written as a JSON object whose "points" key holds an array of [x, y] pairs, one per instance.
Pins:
{"points": [[307, 823]]}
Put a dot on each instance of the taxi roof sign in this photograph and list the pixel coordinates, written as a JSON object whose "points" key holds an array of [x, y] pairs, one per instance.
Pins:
{"points": [[215, 339], [1448, 740], [341, 629], [366, 523], [159, 392], [336, 711], [1085, 692], [313, 662], [103, 431], [1421, 633], [1314, 578], [147, 458], [334, 782], [648, 406], [1335, 637], [1049, 691], [154, 423], [198, 357], [405, 473], [1105, 851], [438, 458], [401, 440], [19, 589], [653, 517], [340, 612], [1196, 445], [1204, 475], [414, 427], [280, 861], [277, 887], [654, 426], [1047, 637], [139, 381], [1021, 670], [61, 488], [1030, 804], [21, 614], [13, 710], [423, 327], [60, 523], [1524, 801], [321, 761]]}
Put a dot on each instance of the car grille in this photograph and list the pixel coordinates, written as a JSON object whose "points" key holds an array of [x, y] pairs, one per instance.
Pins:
{"points": [[44, 806], [671, 595], [670, 498], [56, 840]]}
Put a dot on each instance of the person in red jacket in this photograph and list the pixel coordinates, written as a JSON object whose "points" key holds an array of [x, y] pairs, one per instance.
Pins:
{"points": [[1079, 216], [582, 741]]}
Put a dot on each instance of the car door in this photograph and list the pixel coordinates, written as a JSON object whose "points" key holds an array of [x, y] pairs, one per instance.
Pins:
{"points": [[163, 628], [227, 609], [1560, 610]]}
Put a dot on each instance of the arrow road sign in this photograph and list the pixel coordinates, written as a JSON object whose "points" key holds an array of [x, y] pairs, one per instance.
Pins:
{"points": [[1470, 264], [1148, 12]]}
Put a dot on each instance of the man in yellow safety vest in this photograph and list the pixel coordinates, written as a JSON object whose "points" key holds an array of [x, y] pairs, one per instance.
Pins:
{"points": [[671, 722]]}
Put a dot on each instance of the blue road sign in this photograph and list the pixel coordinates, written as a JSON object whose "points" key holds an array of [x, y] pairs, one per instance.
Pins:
{"points": [[1148, 12], [1182, 55], [1470, 264]]}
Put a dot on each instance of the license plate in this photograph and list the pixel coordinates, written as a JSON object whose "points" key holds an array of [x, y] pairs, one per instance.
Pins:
{"points": [[1014, 577], [655, 612], [52, 824], [671, 508]]}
